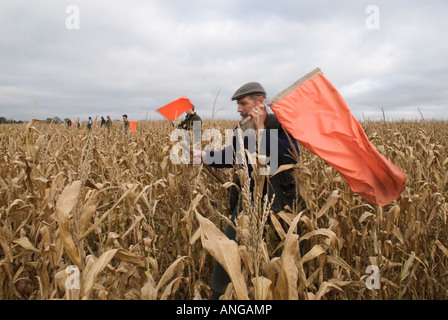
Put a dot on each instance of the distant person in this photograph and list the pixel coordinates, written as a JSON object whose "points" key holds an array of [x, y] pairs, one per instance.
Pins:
{"points": [[190, 118], [125, 123], [108, 123], [78, 124], [103, 121], [68, 122], [89, 123]]}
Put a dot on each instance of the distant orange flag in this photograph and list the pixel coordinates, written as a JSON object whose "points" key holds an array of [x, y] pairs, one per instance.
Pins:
{"points": [[317, 116], [174, 109], [133, 125]]}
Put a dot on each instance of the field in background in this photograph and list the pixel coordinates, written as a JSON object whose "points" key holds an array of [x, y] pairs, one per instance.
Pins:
{"points": [[139, 227]]}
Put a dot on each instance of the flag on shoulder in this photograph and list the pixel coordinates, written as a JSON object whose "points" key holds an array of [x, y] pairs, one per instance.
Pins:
{"points": [[316, 115]]}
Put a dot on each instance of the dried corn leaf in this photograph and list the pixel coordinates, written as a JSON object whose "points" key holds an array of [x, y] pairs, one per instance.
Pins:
{"points": [[407, 265], [127, 256], [224, 251], [442, 248], [286, 286], [97, 267], [331, 201], [25, 243], [148, 291], [326, 287], [104, 216], [324, 232], [316, 251], [170, 272], [64, 207], [263, 288], [169, 288]]}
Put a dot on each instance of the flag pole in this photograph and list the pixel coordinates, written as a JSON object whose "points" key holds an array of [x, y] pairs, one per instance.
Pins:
{"points": [[287, 91], [295, 85]]}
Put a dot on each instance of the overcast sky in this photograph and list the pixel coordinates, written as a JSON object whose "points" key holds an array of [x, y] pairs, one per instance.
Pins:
{"points": [[135, 56]]}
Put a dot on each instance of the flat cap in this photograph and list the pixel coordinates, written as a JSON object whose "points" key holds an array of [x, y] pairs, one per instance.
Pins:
{"points": [[248, 89]]}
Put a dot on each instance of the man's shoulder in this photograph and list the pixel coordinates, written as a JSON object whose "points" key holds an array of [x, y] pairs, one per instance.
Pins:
{"points": [[272, 122]]}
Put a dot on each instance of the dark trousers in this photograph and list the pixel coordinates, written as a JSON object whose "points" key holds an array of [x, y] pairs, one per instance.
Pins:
{"points": [[219, 278]]}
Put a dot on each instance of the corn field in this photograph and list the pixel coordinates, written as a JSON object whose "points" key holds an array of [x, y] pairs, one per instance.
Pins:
{"points": [[136, 226]]}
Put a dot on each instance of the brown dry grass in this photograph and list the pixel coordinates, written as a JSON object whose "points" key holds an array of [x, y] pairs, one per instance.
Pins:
{"points": [[140, 227]]}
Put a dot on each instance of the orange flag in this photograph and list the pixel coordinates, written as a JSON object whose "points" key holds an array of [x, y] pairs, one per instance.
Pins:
{"points": [[317, 116], [174, 109], [133, 125]]}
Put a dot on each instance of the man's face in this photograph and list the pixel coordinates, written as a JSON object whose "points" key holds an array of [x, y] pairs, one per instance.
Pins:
{"points": [[246, 104]]}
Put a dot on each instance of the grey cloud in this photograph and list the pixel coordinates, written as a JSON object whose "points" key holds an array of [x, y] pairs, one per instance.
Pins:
{"points": [[136, 56]]}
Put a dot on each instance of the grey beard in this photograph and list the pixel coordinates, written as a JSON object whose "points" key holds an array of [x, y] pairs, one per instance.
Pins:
{"points": [[247, 123]]}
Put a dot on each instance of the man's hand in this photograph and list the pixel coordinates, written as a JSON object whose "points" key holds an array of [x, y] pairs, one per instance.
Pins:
{"points": [[259, 115], [197, 156]]}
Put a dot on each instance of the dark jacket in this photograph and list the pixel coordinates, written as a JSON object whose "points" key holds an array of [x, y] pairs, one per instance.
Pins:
{"points": [[126, 126], [282, 184], [188, 122]]}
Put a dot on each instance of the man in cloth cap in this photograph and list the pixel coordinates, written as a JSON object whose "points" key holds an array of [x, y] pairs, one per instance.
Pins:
{"points": [[251, 102], [189, 120]]}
